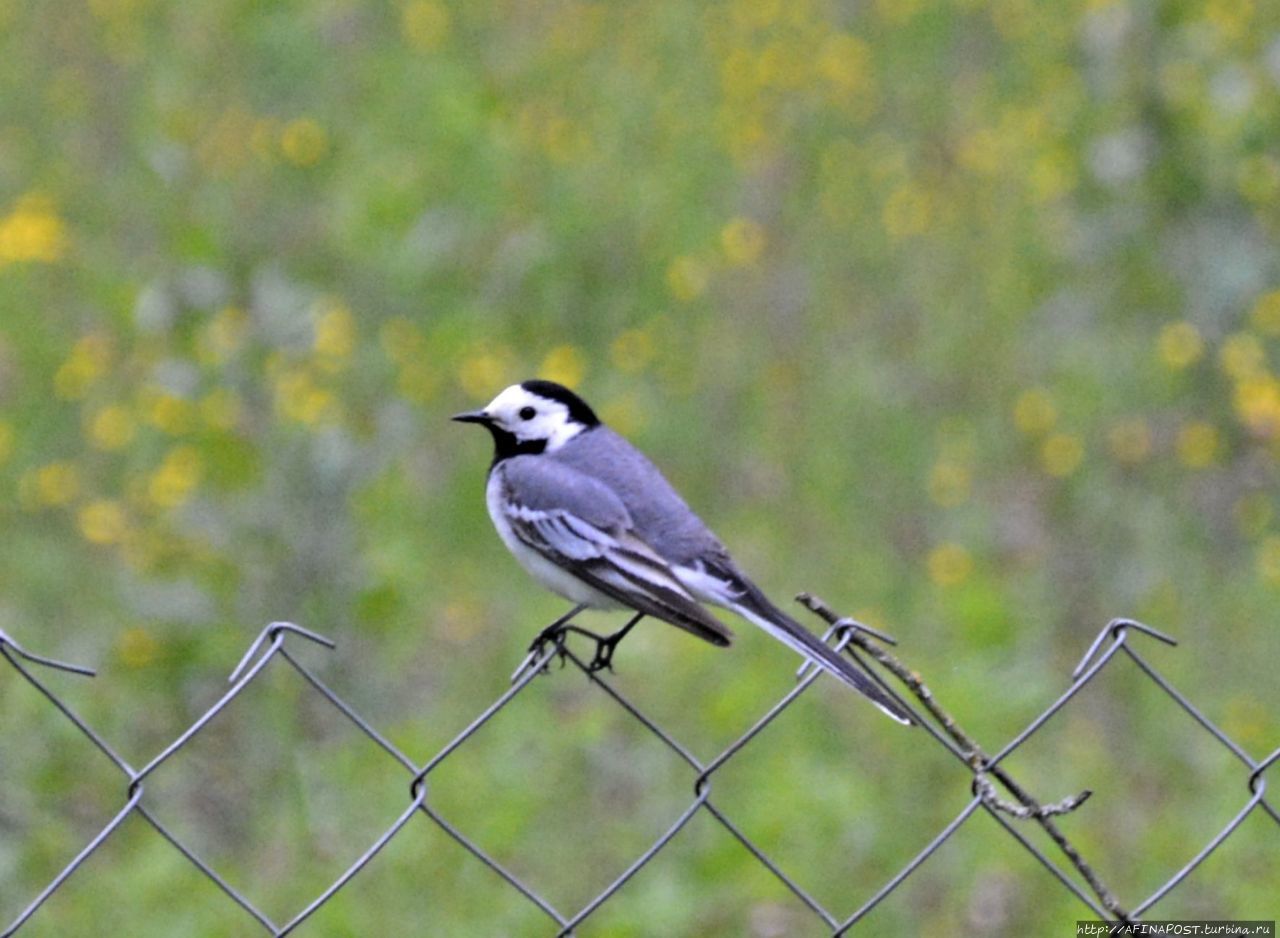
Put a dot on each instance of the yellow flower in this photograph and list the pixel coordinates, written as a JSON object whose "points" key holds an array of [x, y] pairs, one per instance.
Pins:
{"points": [[1130, 441], [1062, 454], [687, 278], [220, 409], [304, 142], [757, 14], [782, 65], [174, 415], [1265, 314], [632, 350], [137, 648], [1198, 444], [1034, 412], [1257, 403], [743, 241], [227, 140], [1231, 18], [223, 334], [177, 476], [335, 333], [949, 564], [88, 361], [1242, 356], [56, 483], [845, 61], [897, 12], [102, 522], [111, 428], [738, 74], [564, 364], [1052, 175], [907, 212], [425, 24], [1248, 721], [485, 374], [1258, 178], [297, 397], [1179, 345], [981, 152], [625, 414], [1268, 560], [32, 232]]}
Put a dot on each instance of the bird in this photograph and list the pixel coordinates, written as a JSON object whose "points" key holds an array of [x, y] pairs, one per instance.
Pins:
{"points": [[591, 518]]}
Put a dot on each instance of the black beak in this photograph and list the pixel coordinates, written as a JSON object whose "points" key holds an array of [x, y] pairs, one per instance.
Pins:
{"points": [[473, 416]]}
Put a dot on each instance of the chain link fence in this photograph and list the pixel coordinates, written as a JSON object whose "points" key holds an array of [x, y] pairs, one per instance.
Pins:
{"points": [[1013, 810]]}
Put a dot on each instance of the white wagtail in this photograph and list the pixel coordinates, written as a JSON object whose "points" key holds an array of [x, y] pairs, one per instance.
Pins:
{"points": [[592, 519]]}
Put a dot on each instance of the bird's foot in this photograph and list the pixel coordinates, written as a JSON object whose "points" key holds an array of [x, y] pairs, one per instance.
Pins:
{"points": [[552, 636], [602, 660], [555, 635]]}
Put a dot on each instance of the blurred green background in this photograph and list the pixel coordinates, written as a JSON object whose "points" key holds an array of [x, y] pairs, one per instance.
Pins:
{"points": [[963, 315]]}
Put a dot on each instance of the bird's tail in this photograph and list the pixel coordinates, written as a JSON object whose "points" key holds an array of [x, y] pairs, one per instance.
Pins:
{"points": [[757, 608]]}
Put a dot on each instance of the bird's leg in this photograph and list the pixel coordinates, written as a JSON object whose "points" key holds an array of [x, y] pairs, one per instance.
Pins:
{"points": [[555, 633], [605, 645]]}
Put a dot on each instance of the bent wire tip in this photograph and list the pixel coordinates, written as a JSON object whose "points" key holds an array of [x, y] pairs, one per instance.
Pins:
{"points": [[838, 628], [844, 623], [6, 641], [1117, 628], [272, 633]]}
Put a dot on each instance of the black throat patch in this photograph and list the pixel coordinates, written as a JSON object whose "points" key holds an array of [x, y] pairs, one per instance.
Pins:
{"points": [[505, 445]]}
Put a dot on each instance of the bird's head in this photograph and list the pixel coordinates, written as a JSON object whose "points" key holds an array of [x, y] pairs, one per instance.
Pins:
{"points": [[533, 417]]}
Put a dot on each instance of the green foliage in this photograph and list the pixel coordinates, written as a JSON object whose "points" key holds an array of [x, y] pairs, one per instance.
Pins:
{"points": [[963, 315]]}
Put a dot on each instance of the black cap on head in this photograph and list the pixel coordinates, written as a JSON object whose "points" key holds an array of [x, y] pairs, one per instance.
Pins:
{"points": [[579, 410]]}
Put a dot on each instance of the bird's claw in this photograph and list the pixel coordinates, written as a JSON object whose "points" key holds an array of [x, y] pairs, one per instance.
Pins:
{"points": [[538, 652], [602, 660]]}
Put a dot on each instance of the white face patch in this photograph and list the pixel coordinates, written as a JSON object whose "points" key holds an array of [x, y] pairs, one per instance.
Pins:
{"points": [[528, 416]]}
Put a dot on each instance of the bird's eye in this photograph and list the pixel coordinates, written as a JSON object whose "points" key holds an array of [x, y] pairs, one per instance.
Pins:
{"points": [[527, 413]]}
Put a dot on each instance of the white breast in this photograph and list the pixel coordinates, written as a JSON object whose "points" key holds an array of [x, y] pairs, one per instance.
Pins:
{"points": [[546, 572]]}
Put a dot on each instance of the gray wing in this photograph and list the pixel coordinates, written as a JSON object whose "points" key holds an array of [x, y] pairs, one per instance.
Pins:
{"points": [[582, 526], [659, 514]]}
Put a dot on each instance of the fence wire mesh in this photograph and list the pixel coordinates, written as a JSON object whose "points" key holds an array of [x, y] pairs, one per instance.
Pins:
{"points": [[1071, 870]]}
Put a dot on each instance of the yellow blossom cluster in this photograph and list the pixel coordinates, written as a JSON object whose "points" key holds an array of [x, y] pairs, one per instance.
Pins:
{"points": [[149, 447], [742, 243], [949, 564], [823, 171], [237, 140], [1035, 414], [32, 231], [1211, 431], [305, 386], [1244, 359]]}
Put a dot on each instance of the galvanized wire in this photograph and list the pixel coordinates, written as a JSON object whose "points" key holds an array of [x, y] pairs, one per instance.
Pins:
{"points": [[1113, 642]]}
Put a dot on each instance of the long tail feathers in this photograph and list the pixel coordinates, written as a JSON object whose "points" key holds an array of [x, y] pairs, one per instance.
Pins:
{"points": [[757, 608]]}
